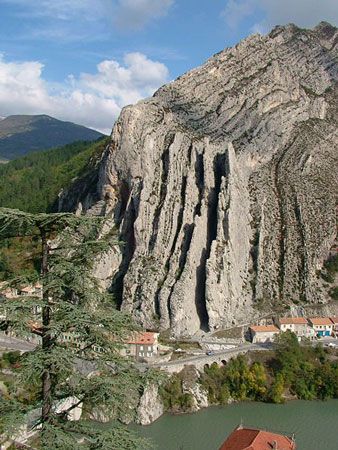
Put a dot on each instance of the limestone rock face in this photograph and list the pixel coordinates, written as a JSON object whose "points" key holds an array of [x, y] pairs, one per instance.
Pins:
{"points": [[223, 185], [192, 386], [150, 407]]}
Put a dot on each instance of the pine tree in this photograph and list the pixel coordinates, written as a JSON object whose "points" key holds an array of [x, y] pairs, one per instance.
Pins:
{"points": [[71, 303]]}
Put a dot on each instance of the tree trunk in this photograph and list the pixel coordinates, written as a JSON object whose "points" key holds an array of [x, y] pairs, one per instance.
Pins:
{"points": [[47, 386]]}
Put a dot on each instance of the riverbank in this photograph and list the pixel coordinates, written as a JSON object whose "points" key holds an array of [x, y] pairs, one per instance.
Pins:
{"points": [[290, 371], [313, 422]]}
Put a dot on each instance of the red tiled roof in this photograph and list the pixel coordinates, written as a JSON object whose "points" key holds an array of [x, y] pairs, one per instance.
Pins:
{"points": [[252, 439], [146, 337], [293, 320], [265, 328], [320, 321]]}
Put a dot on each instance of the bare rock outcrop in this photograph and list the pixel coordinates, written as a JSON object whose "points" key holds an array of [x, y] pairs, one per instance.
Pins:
{"points": [[151, 406], [223, 185]]}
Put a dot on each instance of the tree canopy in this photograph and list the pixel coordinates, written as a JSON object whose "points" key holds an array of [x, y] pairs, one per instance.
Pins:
{"points": [[72, 303]]}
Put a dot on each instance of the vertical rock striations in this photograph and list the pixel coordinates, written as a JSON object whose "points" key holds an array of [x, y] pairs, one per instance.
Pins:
{"points": [[224, 184]]}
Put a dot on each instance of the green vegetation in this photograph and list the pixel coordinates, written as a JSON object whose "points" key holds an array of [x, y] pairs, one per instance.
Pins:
{"points": [[334, 293], [32, 183], [303, 372], [72, 302], [173, 395], [19, 256], [238, 380], [331, 265], [9, 360]]}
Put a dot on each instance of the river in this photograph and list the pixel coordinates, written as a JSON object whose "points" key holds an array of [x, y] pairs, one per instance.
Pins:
{"points": [[314, 423]]}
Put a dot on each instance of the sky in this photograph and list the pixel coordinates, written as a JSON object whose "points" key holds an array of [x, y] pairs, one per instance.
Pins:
{"points": [[83, 60]]}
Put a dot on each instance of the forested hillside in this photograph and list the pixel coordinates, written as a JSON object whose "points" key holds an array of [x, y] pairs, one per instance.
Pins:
{"points": [[32, 183]]}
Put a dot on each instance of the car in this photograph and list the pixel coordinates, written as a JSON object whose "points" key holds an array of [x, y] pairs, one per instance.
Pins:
{"points": [[331, 344], [209, 353]]}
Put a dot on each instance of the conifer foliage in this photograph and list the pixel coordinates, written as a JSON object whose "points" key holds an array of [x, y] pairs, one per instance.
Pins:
{"points": [[88, 369]]}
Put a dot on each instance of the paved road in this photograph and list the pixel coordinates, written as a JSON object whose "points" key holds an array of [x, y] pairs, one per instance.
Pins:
{"points": [[215, 355], [11, 343]]}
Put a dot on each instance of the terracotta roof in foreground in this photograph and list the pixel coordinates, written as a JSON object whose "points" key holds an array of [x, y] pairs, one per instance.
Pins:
{"points": [[293, 320], [254, 439], [320, 321], [264, 328]]}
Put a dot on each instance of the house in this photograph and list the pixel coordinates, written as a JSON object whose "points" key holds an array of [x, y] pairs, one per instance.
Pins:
{"points": [[263, 333], [334, 321], [297, 325], [142, 345], [322, 326], [254, 439]]}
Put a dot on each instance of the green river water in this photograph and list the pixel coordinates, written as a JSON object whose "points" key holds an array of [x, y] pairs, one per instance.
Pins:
{"points": [[314, 423]]}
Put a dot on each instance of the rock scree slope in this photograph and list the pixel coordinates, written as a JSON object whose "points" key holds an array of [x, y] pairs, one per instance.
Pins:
{"points": [[223, 186]]}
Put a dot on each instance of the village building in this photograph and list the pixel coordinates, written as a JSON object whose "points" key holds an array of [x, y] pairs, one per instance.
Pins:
{"points": [[334, 321], [297, 325], [254, 439], [142, 345], [322, 326], [263, 333]]}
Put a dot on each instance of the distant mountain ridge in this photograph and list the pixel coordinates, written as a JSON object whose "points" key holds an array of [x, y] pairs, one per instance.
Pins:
{"points": [[22, 134]]}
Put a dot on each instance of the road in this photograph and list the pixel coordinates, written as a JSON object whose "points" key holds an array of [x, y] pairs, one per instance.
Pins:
{"points": [[11, 343], [217, 355]]}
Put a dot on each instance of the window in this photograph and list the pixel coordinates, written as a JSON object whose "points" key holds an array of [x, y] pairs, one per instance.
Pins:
{"points": [[141, 347], [149, 348]]}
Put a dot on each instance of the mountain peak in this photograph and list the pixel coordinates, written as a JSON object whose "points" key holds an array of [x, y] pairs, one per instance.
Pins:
{"points": [[223, 186], [21, 134]]}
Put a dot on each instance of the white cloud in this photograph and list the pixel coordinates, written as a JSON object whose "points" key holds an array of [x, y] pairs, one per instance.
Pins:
{"points": [[125, 14], [94, 100], [235, 11], [135, 14], [304, 13]]}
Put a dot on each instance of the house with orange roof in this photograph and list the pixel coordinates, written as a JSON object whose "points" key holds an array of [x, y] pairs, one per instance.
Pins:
{"points": [[142, 345], [254, 439], [322, 326], [297, 325], [263, 333]]}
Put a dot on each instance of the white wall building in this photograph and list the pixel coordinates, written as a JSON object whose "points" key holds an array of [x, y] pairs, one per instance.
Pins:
{"points": [[334, 321], [142, 345], [263, 333], [297, 325], [322, 326]]}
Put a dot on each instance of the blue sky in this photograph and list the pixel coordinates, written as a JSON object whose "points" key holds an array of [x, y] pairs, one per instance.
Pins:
{"points": [[82, 60]]}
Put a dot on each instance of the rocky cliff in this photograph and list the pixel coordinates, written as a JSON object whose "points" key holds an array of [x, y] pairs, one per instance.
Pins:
{"points": [[223, 185]]}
